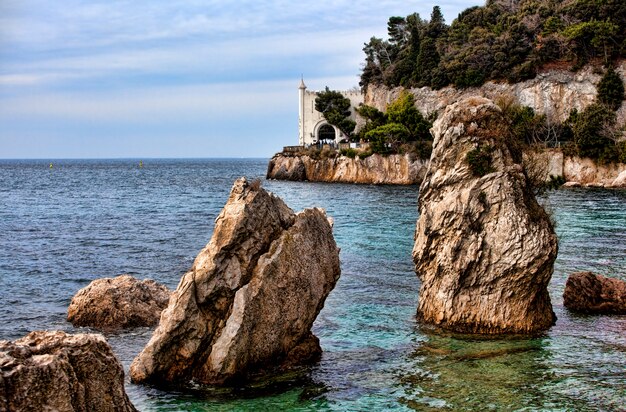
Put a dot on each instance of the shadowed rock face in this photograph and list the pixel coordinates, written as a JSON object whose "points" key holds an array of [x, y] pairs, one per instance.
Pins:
{"points": [[586, 292], [484, 249], [120, 302], [251, 297], [54, 371]]}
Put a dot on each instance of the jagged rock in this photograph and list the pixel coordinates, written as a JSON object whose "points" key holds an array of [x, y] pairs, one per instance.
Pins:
{"points": [[286, 168], [587, 292], [251, 297], [120, 302], [484, 249], [54, 371]]}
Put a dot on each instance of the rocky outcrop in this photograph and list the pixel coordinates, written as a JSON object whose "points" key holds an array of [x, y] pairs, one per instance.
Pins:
{"points": [[589, 173], [120, 302], [484, 249], [374, 169], [54, 371], [251, 297], [554, 93], [586, 292]]}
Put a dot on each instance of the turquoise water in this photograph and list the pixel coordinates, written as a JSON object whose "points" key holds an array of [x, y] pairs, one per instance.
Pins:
{"points": [[83, 220]]}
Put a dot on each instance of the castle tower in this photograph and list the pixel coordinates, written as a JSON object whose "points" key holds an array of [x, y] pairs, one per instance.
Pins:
{"points": [[301, 91]]}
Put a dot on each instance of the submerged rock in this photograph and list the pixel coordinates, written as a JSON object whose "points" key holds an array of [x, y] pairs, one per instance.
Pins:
{"points": [[484, 249], [250, 299], [587, 292], [120, 302], [54, 371]]}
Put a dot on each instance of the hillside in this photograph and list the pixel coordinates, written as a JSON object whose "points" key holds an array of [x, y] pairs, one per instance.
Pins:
{"points": [[505, 40]]}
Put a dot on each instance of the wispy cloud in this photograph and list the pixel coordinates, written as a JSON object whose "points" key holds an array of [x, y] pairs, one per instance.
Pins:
{"points": [[65, 67]]}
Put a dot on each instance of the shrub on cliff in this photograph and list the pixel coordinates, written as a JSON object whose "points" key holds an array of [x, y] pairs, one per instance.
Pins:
{"points": [[611, 89], [595, 134]]}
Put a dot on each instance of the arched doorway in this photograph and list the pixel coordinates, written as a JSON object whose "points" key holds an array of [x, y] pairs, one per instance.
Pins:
{"points": [[325, 133]]}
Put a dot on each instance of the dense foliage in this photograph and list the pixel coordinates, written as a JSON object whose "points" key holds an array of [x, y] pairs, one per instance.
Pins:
{"points": [[611, 89], [503, 40], [400, 125], [336, 110]]}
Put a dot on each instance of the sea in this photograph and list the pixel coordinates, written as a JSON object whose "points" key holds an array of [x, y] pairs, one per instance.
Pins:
{"points": [[64, 223]]}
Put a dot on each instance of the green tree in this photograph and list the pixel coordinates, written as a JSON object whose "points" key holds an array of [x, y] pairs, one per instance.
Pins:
{"points": [[387, 138], [611, 89], [593, 131], [336, 110], [403, 111]]}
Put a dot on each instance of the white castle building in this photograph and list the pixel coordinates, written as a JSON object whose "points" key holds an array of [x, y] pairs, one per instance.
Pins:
{"points": [[312, 127]]}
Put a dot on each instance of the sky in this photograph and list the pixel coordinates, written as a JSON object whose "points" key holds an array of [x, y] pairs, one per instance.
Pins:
{"points": [[176, 78]]}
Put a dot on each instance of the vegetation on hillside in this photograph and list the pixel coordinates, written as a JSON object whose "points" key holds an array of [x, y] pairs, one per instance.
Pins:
{"points": [[401, 128], [503, 40]]}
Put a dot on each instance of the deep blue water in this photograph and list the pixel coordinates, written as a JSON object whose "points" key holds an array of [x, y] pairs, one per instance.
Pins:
{"points": [[61, 228]]}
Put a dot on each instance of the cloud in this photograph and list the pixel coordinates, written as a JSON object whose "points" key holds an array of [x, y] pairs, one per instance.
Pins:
{"points": [[164, 103]]}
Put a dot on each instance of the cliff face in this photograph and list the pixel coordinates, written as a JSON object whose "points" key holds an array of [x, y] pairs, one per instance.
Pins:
{"points": [[375, 169], [403, 170], [553, 93]]}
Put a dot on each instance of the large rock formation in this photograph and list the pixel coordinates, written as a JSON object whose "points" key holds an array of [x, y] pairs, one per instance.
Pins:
{"points": [[251, 297], [120, 302], [587, 292], [54, 371], [484, 249], [374, 169]]}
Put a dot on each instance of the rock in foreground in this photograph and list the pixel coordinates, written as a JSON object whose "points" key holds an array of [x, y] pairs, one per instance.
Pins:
{"points": [[484, 249], [54, 371], [251, 297], [120, 302], [586, 292]]}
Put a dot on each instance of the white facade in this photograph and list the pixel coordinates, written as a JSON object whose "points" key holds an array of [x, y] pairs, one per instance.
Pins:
{"points": [[311, 121]]}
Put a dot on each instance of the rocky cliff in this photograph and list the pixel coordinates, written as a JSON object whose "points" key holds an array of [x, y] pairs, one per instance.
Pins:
{"points": [[404, 170], [375, 169], [484, 249], [251, 297], [554, 93]]}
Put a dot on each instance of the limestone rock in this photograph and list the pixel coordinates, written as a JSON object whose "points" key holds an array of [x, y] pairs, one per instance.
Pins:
{"points": [[484, 249], [572, 184], [286, 168], [587, 292], [251, 297], [120, 302], [374, 169], [590, 173], [620, 180], [54, 371], [553, 93]]}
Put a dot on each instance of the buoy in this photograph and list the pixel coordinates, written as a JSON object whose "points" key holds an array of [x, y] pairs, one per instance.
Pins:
{"points": [[140, 164], [50, 165]]}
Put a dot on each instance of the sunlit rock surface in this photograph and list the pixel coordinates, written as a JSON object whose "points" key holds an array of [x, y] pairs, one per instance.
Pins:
{"points": [[484, 249], [251, 297]]}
